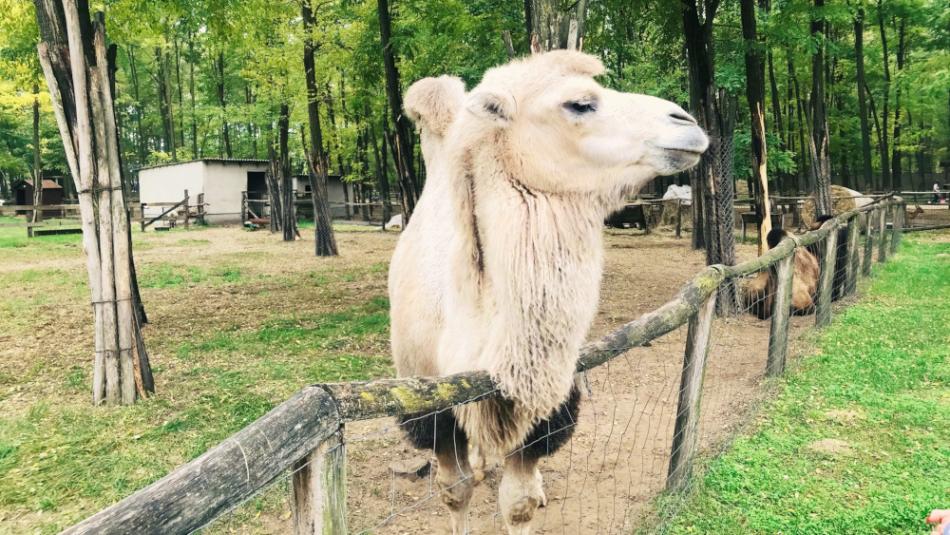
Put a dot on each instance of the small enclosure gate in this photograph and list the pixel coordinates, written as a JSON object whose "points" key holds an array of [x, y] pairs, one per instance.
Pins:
{"points": [[306, 434]]}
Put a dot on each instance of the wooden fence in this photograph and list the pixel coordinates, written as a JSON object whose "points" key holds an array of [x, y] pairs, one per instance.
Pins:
{"points": [[171, 211], [304, 434]]}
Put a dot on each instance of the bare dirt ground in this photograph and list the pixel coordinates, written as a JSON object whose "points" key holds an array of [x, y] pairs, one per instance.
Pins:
{"points": [[617, 461]]}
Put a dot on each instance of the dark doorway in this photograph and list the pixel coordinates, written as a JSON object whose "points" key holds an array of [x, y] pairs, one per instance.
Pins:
{"points": [[256, 193]]}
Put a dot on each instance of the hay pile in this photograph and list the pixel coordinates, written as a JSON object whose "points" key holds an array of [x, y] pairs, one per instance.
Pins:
{"points": [[842, 200]]}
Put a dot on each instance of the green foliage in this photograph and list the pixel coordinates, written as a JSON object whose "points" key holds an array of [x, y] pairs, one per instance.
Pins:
{"points": [[879, 382]]}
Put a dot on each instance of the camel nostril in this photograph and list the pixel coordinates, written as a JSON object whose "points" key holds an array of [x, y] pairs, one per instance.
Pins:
{"points": [[682, 118]]}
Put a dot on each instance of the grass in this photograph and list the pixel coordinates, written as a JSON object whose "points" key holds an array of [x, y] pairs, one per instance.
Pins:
{"points": [[880, 384]]}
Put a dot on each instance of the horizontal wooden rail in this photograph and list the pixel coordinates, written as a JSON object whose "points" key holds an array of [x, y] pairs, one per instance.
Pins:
{"points": [[194, 494]]}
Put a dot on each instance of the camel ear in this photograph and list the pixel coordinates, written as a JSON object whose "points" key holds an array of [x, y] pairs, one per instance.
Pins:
{"points": [[497, 107], [432, 103]]}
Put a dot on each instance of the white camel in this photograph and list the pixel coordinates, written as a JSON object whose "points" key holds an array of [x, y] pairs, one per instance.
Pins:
{"points": [[499, 268]]}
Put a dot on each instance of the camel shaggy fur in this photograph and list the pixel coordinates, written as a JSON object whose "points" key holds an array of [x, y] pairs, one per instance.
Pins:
{"points": [[499, 268], [760, 290]]}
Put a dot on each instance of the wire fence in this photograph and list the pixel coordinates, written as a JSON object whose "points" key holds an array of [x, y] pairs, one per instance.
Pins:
{"points": [[655, 395]]}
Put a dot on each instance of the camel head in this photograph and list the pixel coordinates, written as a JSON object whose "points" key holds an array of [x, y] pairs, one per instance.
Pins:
{"points": [[561, 131]]}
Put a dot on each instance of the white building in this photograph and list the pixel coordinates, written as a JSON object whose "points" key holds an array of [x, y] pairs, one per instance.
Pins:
{"points": [[223, 183]]}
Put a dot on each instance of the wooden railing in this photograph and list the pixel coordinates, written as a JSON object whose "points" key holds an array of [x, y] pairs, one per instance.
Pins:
{"points": [[304, 434], [183, 206]]}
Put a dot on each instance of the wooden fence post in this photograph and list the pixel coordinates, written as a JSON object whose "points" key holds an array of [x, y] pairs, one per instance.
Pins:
{"points": [[823, 306], [319, 487], [187, 209], [679, 218], [851, 280], [869, 219], [895, 226], [781, 308], [243, 208], [691, 390], [201, 208], [882, 234], [142, 208]]}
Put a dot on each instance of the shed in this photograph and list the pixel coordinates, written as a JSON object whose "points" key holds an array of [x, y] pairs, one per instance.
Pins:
{"points": [[223, 183], [52, 194], [338, 193], [221, 180]]}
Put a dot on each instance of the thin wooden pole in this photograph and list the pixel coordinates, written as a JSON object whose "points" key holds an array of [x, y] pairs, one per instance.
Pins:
{"points": [[691, 389], [142, 214], [895, 225], [853, 257], [869, 221], [781, 308], [882, 234], [319, 489], [187, 209], [130, 378], [679, 218], [823, 306]]}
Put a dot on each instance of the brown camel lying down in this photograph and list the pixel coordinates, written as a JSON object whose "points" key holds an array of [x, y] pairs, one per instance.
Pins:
{"points": [[759, 291]]}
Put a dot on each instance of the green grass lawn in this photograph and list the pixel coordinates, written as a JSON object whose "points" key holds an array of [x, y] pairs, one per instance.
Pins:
{"points": [[879, 385]]}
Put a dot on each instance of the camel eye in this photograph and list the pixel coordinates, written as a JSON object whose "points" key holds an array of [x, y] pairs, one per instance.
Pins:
{"points": [[580, 107]]}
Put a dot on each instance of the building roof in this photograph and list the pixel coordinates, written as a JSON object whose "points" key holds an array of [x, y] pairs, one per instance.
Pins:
{"points": [[47, 184], [237, 161]]}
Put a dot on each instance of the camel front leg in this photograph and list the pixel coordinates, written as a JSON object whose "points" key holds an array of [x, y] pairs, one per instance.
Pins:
{"points": [[455, 480], [521, 493]]}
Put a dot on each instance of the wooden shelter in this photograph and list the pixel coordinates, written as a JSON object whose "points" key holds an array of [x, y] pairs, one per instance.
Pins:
{"points": [[52, 195]]}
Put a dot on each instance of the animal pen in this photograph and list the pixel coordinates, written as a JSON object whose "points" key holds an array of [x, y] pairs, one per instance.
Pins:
{"points": [[652, 410]]}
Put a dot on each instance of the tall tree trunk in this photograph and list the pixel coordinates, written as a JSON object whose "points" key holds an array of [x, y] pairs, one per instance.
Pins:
{"points": [[715, 112], [75, 64], [181, 106], [382, 173], [402, 140], [164, 103], [818, 148], [251, 131], [886, 179], [191, 93], [37, 160], [222, 101], [324, 239], [896, 138], [803, 159], [755, 95], [879, 183], [552, 25], [288, 224], [140, 142], [862, 101]]}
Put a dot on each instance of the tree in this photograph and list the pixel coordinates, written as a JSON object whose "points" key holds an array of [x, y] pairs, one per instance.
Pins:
{"points": [[553, 25], [862, 97], [711, 179], [324, 240], [755, 95], [73, 54], [818, 143], [400, 140]]}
